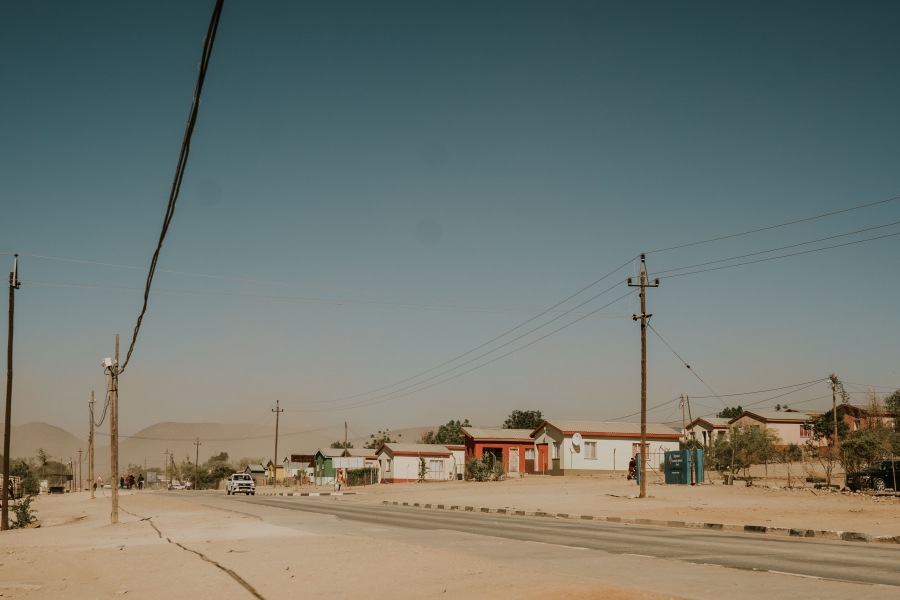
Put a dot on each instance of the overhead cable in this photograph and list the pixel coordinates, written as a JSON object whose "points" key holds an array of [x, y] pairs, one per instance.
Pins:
{"points": [[733, 235], [180, 168]]}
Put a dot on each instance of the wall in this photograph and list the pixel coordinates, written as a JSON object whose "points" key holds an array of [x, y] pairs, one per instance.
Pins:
{"points": [[610, 449], [476, 448], [405, 468]]}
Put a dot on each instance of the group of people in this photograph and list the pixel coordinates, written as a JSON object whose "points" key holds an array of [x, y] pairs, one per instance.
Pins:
{"points": [[128, 482]]}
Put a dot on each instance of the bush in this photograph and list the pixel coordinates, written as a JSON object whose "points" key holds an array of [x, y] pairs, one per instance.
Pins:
{"points": [[484, 469], [363, 476], [23, 512]]}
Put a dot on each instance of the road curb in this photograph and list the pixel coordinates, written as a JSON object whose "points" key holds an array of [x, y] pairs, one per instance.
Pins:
{"points": [[309, 494], [819, 534]]}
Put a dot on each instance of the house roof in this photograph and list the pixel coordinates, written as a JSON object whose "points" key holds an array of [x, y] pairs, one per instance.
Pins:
{"points": [[610, 428], [255, 469], [774, 416], [714, 422], [364, 452], [330, 452], [497, 433], [415, 449]]}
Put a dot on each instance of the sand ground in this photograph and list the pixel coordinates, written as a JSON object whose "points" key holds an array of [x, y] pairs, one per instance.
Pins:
{"points": [[168, 546], [610, 496]]}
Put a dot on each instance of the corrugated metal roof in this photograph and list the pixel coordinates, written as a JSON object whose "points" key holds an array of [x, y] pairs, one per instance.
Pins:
{"points": [[418, 448], [713, 420], [497, 433], [332, 452], [365, 452], [613, 427], [774, 415]]}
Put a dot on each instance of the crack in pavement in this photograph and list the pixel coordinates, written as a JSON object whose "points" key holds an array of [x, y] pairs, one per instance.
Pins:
{"points": [[233, 575]]}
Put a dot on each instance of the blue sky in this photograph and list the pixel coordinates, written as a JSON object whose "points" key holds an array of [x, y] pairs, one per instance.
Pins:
{"points": [[457, 154]]}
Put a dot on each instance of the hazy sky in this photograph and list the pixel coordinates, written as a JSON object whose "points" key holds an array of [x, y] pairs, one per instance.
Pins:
{"points": [[444, 154]]}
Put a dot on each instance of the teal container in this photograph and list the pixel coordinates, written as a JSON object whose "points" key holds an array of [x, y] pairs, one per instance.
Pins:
{"points": [[678, 467]]}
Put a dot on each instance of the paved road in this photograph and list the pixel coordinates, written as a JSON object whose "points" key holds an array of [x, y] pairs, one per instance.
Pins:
{"points": [[843, 561]]}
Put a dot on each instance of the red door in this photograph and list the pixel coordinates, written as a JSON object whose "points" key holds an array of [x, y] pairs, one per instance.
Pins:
{"points": [[543, 458]]}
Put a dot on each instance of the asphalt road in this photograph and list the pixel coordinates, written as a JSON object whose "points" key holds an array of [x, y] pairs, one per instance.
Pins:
{"points": [[842, 561]]}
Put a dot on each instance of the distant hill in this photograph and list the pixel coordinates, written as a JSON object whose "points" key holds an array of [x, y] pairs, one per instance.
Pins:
{"points": [[59, 443], [151, 443]]}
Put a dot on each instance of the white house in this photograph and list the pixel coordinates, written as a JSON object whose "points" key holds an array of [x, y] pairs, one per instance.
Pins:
{"points": [[605, 446], [400, 463], [459, 461]]}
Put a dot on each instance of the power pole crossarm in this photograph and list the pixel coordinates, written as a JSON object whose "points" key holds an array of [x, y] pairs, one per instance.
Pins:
{"points": [[643, 283]]}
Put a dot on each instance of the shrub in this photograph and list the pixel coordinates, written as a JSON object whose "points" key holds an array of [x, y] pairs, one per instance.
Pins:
{"points": [[23, 512]]}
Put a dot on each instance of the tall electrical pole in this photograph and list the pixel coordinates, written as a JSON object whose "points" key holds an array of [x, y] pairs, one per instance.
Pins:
{"points": [[167, 468], [91, 448], [690, 417], [643, 283], [834, 407], [112, 371], [13, 286], [277, 412], [197, 445], [80, 471], [683, 422]]}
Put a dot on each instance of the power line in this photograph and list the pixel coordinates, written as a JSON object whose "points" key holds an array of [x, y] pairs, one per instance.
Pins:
{"points": [[777, 249], [764, 391], [783, 256], [504, 334], [685, 364], [324, 301], [370, 403], [733, 235], [886, 387], [180, 168]]}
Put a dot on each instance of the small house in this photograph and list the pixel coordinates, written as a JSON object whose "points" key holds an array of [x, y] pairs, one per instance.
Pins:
{"points": [[791, 427], [324, 470], [276, 471], [593, 447], [402, 463], [513, 448], [706, 429], [257, 472]]}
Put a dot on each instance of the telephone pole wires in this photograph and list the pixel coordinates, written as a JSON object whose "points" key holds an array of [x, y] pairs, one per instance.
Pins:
{"points": [[643, 283], [13, 286], [197, 445], [91, 448], [277, 412]]}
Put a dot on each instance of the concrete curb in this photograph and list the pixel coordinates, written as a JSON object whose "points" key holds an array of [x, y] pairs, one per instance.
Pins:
{"points": [[309, 494], [819, 534]]}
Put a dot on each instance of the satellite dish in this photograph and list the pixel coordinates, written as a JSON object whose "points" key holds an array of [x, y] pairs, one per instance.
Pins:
{"points": [[576, 439]]}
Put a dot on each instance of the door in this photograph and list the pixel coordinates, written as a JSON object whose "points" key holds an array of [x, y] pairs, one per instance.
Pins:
{"points": [[529, 460], [543, 459], [513, 460]]}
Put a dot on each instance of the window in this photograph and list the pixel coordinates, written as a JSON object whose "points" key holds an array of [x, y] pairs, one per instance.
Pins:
{"points": [[436, 466], [804, 432], [529, 453], [388, 463], [856, 425], [590, 449], [555, 450]]}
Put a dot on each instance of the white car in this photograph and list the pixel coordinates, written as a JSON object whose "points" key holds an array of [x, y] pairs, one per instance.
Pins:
{"points": [[240, 483], [176, 486]]}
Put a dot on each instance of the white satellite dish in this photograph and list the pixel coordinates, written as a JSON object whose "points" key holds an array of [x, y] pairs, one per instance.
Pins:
{"points": [[576, 439]]}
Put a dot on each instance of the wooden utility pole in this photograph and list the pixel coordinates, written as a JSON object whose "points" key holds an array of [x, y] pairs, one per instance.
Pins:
{"points": [[197, 445], [13, 286], [277, 412], [167, 468], [345, 435], [91, 448], [690, 417], [643, 283], [683, 422], [834, 407], [80, 470], [113, 374]]}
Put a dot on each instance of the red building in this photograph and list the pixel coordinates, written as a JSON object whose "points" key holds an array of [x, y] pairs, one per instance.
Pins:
{"points": [[513, 447]]}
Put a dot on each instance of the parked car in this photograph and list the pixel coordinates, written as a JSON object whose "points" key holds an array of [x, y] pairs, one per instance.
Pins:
{"points": [[879, 476], [240, 483], [176, 486]]}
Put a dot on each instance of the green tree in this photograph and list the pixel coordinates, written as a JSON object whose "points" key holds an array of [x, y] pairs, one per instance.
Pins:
{"points": [[892, 404], [451, 433], [730, 412], [343, 445], [823, 426], [744, 446], [382, 437], [423, 469], [524, 419]]}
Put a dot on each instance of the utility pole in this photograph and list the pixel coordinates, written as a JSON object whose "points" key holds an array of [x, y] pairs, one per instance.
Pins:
{"points": [[112, 371], [643, 283], [167, 468], [683, 422], [197, 445], [834, 408], [13, 286], [345, 435], [690, 418], [80, 470], [91, 448], [277, 412]]}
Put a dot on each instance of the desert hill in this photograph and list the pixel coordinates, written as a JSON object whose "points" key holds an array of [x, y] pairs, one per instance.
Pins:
{"points": [[57, 442]]}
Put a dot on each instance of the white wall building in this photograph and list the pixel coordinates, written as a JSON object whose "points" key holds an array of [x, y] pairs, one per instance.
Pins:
{"points": [[605, 447], [400, 463]]}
